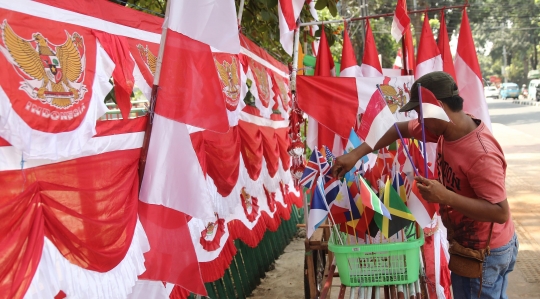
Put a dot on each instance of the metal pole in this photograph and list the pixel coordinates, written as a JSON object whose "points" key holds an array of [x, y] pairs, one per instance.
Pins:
{"points": [[380, 16], [504, 65], [240, 12]]}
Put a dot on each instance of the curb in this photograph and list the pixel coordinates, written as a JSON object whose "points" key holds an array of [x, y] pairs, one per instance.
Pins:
{"points": [[528, 103]]}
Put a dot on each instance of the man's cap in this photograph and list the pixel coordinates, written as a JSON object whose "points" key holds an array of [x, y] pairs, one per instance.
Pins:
{"points": [[441, 84]]}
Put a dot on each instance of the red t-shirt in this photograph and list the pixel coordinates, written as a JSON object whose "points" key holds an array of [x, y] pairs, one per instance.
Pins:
{"points": [[472, 166]]}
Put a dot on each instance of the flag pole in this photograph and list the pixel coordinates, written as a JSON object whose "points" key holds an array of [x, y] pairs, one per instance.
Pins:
{"points": [[153, 97], [295, 59], [401, 138], [421, 117], [240, 13]]}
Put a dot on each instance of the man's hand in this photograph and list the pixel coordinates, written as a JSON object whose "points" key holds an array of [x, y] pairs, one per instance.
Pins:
{"points": [[343, 164], [431, 190]]}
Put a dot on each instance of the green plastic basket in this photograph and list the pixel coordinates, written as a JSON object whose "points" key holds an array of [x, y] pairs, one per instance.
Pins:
{"points": [[378, 264]]}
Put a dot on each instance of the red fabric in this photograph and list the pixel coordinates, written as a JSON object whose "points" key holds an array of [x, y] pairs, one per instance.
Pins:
{"points": [[190, 91], [219, 156], [179, 293], [409, 47], [172, 256], [86, 207], [284, 142], [57, 115], [348, 58], [444, 48], [118, 49], [112, 12], [3, 142], [252, 148], [427, 48], [333, 102], [260, 74], [145, 55], [271, 149], [60, 295], [288, 13], [215, 269], [253, 48], [249, 201], [228, 69], [270, 199], [371, 55], [121, 126], [466, 46]]}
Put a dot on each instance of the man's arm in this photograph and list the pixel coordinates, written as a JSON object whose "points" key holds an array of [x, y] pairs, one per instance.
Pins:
{"points": [[344, 163], [477, 209]]}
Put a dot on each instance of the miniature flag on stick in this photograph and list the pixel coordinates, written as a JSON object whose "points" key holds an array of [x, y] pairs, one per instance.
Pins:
{"points": [[376, 120]]}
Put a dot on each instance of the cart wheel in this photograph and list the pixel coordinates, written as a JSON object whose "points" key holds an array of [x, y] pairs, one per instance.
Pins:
{"points": [[319, 261]]}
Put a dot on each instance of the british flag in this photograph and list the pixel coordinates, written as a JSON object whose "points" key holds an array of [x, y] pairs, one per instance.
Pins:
{"points": [[310, 172]]}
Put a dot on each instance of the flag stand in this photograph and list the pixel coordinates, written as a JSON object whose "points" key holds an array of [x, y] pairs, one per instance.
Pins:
{"points": [[153, 97]]}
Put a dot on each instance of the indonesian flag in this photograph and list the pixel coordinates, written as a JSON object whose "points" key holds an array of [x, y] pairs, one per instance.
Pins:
{"points": [[192, 92], [398, 63], [376, 120], [428, 59], [349, 66], [444, 48], [401, 20], [371, 66], [420, 208], [288, 12], [431, 108], [469, 76], [319, 135]]}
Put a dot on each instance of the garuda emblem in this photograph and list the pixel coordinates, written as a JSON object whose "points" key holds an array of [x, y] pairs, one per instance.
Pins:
{"points": [[52, 74], [228, 75], [148, 57], [395, 99], [284, 93], [262, 85]]}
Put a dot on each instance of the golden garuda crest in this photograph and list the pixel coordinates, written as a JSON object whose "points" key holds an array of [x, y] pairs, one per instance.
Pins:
{"points": [[228, 75], [263, 85], [284, 93], [53, 74], [395, 99], [148, 57]]}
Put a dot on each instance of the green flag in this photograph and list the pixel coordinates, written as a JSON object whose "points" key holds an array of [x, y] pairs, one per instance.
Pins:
{"points": [[401, 215]]}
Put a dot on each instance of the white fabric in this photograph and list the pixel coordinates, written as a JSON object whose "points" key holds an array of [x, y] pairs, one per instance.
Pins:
{"points": [[264, 122], [314, 28], [286, 34], [312, 134], [397, 29], [418, 210], [212, 22], [472, 91], [391, 72], [431, 65], [11, 157], [41, 145], [172, 165], [352, 71], [140, 82], [149, 289], [66, 16], [433, 111], [369, 71], [55, 273], [380, 125]]}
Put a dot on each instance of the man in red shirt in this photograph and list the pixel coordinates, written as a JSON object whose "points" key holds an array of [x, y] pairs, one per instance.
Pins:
{"points": [[470, 187]]}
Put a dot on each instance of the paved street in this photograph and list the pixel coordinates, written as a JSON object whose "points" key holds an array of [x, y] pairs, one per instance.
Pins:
{"points": [[517, 128]]}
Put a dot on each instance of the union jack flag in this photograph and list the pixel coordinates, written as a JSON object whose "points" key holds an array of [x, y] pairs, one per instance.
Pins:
{"points": [[317, 163], [324, 165]]}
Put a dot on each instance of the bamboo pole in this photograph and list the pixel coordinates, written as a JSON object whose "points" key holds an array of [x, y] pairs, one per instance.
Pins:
{"points": [[153, 97], [240, 12]]}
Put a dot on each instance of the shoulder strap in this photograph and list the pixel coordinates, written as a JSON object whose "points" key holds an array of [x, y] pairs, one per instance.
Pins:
{"points": [[489, 238]]}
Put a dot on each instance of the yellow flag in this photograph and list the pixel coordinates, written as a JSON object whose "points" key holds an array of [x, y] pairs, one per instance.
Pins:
{"points": [[300, 66]]}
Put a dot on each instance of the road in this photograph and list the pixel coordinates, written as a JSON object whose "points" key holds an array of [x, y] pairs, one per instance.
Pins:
{"points": [[517, 128]]}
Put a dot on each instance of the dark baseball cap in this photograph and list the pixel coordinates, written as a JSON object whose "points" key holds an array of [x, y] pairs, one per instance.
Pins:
{"points": [[441, 84]]}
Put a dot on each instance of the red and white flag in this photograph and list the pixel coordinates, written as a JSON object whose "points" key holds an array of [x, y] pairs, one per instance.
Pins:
{"points": [[444, 48], [431, 108], [376, 120], [428, 59], [398, 63], [192, 91], [401, 20], [371, 66], [349, 66], [469, 76], [420, 208], [288, 12]]}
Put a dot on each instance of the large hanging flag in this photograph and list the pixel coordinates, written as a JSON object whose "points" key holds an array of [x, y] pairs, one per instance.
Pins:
{"points": [[349, 65], [370, 199], [376, 120], [469, 76], [401, 215], [192, 91], [371, 66], [401, 20], [318, 210], [428, 59], [420, 208], [431, 108], [288, 13], [444, 48]]}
